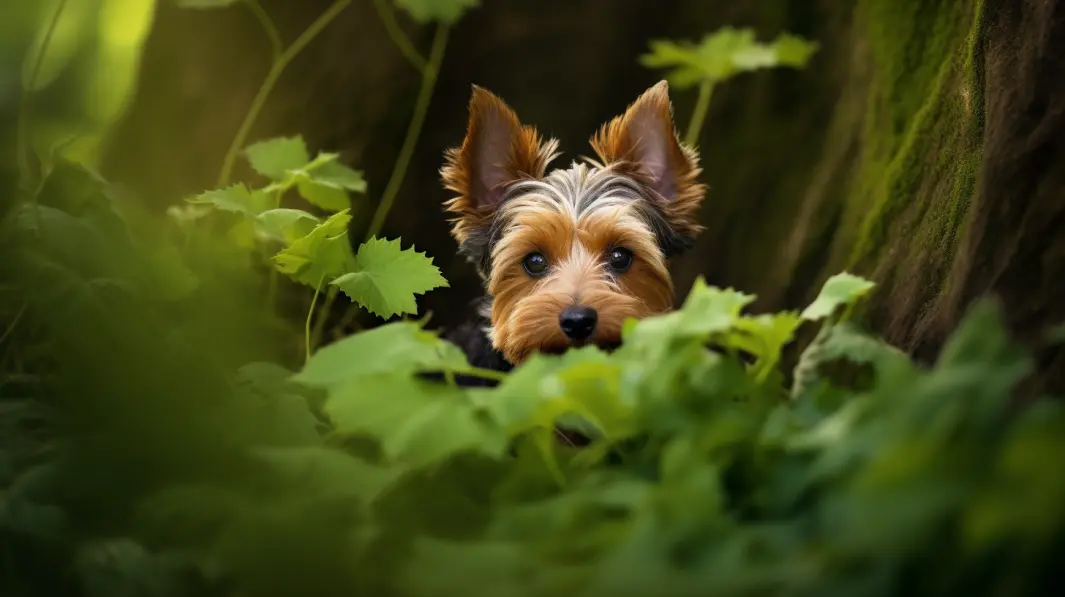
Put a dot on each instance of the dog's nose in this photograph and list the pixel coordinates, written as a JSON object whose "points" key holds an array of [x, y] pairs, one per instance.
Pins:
{"points": [[578, 322]]}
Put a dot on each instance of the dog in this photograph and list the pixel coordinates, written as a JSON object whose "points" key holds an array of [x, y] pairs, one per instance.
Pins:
{"points": [[567, 256]]}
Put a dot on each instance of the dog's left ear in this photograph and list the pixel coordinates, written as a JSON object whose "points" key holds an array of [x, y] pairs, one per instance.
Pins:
{"points": [[643, 142], [498, 150]]}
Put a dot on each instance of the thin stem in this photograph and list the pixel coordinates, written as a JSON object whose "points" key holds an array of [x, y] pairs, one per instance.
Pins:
{"points": [[398, 37], [23, 125], [488, 374], [276, 47], [278, 67], [274, 275], [307, 323], [702, 106], [319, 327], [421, 107]]}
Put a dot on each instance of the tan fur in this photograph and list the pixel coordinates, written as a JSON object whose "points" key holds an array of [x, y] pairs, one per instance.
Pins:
{"points": [[564, 217], [525, 310], [616, 143]]}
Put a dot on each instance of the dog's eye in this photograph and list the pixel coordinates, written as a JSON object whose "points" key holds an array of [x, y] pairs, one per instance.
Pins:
{"points": [[534, 264], [620, 260]]}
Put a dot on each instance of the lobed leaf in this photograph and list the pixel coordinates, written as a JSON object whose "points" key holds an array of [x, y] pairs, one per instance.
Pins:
{"points": [[273, 158], [236, 199], [320, 256], [387, 278], [841, 290]]}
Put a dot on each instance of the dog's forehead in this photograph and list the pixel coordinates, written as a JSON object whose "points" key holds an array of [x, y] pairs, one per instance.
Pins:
{"points": [[577, 191]]}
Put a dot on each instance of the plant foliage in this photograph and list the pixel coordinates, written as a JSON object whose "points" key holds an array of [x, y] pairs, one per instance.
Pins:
{"points": [[724, 54], [359, 474]]}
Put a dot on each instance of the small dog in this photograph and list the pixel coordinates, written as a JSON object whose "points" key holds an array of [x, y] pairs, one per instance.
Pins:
{"points": [[568, 256]]}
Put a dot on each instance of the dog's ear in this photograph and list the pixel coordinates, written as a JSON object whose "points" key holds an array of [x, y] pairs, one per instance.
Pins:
{"points": [[643, 143], [497, 151]]}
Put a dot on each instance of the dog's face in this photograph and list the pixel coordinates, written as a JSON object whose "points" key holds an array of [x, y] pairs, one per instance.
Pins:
{"points": [[568, 256]]}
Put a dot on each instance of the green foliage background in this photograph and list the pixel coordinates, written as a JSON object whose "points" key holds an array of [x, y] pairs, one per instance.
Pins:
{"points": [[160, 438]]}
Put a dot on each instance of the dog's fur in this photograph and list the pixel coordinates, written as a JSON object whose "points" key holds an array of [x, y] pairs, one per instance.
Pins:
{"points": [[640, 196]]}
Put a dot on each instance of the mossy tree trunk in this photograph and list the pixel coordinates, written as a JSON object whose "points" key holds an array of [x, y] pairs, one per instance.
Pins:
{"points": [[922, 147]]}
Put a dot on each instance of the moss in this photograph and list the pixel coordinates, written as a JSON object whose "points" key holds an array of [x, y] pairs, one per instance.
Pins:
{"points": [[921, 143]]}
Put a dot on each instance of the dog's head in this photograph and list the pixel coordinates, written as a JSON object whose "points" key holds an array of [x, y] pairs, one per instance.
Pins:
{"points": [[568, 256]]}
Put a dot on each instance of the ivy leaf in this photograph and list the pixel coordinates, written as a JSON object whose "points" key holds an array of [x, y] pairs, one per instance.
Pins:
{"points": [[398, 348], [724, 54], [286, 225], [443, 11], [840, 290], [237, 199], [273, 158], [320, 256], [387, 278]]}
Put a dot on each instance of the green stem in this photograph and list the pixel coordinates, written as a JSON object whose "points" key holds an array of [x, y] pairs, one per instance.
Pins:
{"points": [[319, 327], [307, 323], [702, 106], [484, 373], [23, 125], [276, 47], [278, 67], [274, 274], [401, 40], [421, 107]]}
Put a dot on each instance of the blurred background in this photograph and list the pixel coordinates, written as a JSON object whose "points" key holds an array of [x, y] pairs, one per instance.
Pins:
{"points": [[920, 146]]}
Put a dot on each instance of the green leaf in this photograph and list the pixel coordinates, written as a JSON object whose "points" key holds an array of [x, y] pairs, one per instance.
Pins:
{"points": [[325, 183], [320, 256], [764, 336], [724, 54], [706, 310], [417, 422], [387, 278], [396, 348], [324, 196], [286, 225], [273, 158], [839, 291], [847, 341], [237, 199], [443, 11]]}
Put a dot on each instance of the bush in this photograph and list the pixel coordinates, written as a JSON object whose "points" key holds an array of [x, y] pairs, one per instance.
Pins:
{"points": [[146, 456]]}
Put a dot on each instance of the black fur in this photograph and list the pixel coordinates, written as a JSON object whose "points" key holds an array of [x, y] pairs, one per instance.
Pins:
{"points": [[471, 338]]}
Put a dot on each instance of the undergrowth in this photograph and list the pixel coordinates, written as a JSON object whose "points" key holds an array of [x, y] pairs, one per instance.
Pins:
{"points": [[152, 444]]}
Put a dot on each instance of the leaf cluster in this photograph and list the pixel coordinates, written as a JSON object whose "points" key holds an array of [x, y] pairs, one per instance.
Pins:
{"points": [[316, 250], [706, 467], [724, 54]]}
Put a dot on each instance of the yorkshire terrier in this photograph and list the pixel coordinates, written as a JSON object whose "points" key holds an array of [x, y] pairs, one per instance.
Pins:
{"points": [[567, 256]]}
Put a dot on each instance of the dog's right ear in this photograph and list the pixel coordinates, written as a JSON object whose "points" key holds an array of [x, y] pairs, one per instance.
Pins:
{"points": [[497, 151]]}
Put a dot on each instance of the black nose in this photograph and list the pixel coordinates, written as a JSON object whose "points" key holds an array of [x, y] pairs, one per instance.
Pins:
{"points": [[578, 323]]}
